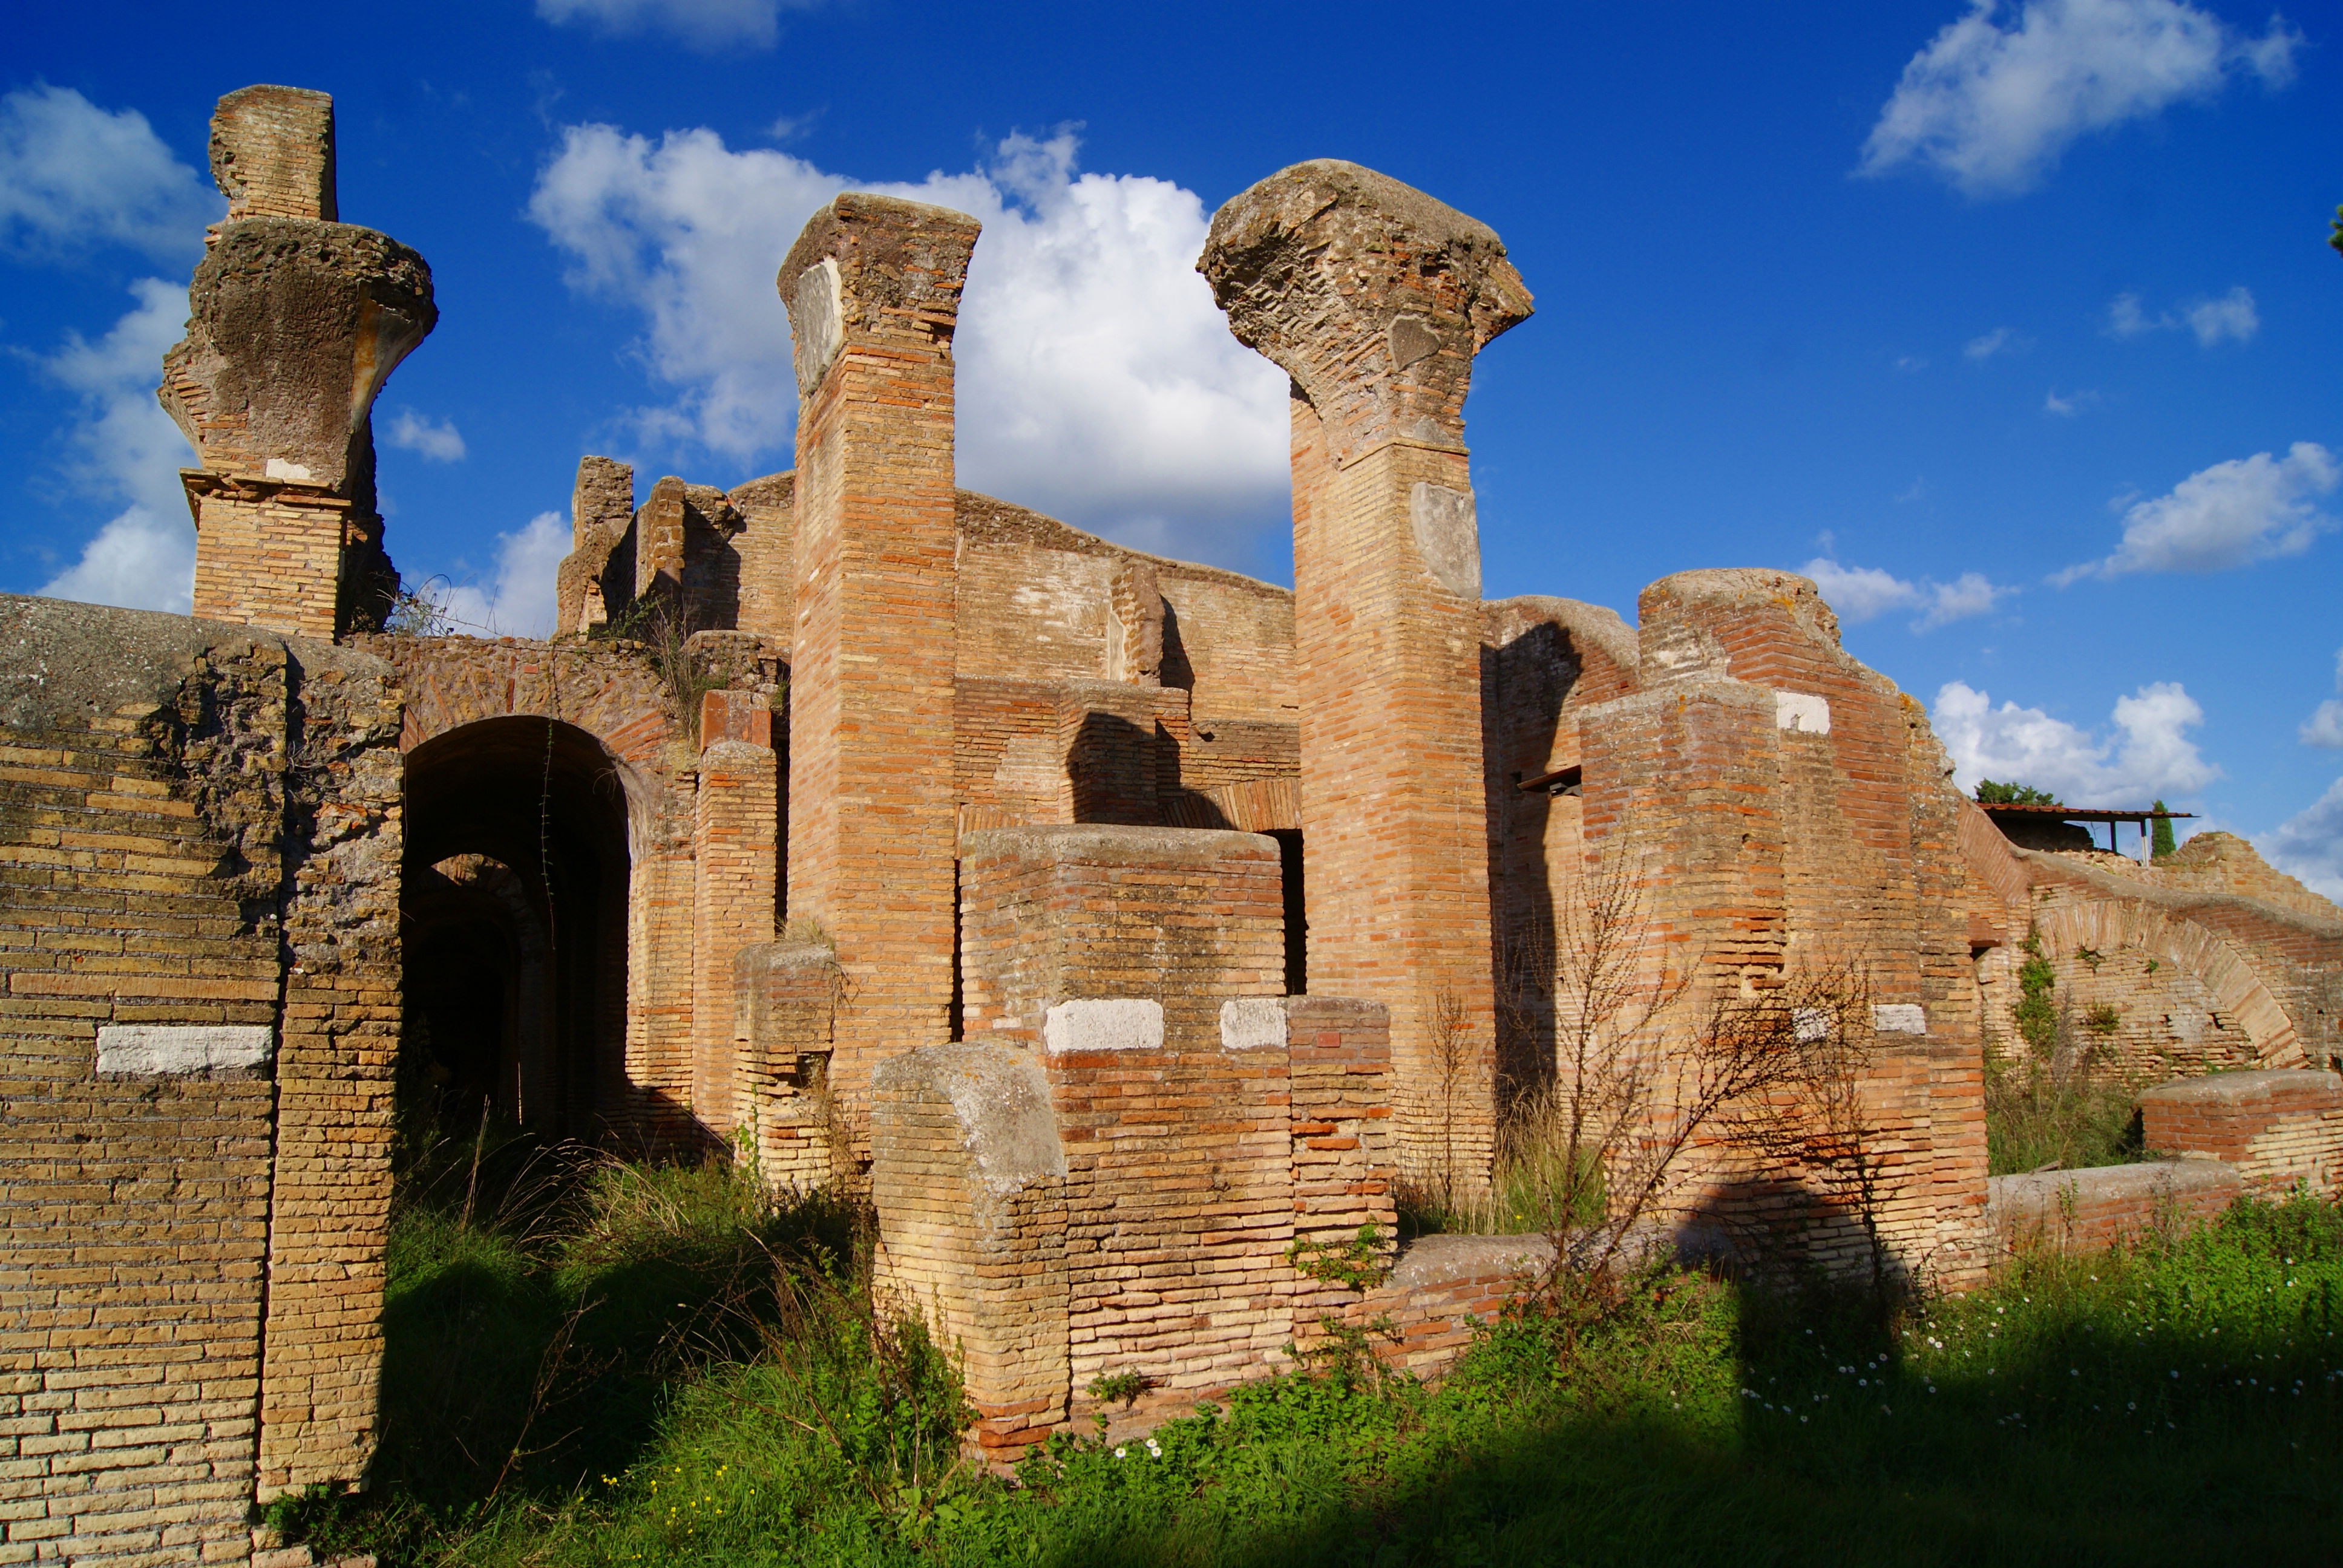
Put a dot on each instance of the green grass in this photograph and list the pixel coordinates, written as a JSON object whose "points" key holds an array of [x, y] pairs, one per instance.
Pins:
{"points": [[2037, 1118], [2178, 1401]]}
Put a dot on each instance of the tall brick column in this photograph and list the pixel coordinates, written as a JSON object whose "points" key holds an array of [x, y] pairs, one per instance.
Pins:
{"points": [[1375, 299], [295, 321], [873, 290]]}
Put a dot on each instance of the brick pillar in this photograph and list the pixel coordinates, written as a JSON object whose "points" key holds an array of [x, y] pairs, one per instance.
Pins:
{"points": [[295, 322], [968, 1180], [785, 1005], [873, 288], [734, 860], [1375, 299]]}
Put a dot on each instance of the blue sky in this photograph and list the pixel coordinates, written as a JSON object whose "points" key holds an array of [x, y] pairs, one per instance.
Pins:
{"points": [[2017, 318]]}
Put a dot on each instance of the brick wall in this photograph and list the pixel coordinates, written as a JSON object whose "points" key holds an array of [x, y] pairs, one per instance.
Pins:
{"points": [[270, 556], [2275, 1129], [1185, 918], [272, 152], [970, 1181], [158, 856], [1785, 815], [2236, 982], [643, 1080], [1122, 1200], [295, 323]]}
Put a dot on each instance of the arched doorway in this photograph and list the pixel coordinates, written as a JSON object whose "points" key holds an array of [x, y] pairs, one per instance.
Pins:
{"points": [[513, 918]]}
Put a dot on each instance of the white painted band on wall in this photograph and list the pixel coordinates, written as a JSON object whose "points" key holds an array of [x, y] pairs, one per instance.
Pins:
{"points": [[1899, 1018], [183, 1050], [1252, 1024], [1803, 711], [1121, 1023]]}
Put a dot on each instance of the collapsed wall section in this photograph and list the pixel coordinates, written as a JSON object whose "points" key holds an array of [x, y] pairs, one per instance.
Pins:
{"points": [[1782, 817], [1178, 1127]]}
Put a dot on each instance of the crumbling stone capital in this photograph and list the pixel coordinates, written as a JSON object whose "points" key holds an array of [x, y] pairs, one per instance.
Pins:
{"points": [[1372, 296], [294, 326], [877, 268], [295, 320]]}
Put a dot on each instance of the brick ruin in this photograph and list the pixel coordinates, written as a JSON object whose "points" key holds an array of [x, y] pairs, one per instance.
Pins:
{"points": [[1112, 922]]}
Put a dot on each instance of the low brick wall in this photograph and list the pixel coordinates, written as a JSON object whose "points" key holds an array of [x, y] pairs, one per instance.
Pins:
{"points": [[2090, 1210], [1442, 1286], [2276, 1129]]}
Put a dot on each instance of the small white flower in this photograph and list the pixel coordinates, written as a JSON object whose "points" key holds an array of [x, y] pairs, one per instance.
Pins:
{"points": [[1121, 1453]]}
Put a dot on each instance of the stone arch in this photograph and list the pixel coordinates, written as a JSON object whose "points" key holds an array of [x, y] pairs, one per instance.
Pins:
{"points": [[515, 910], [2112, 925], [612, 694]]}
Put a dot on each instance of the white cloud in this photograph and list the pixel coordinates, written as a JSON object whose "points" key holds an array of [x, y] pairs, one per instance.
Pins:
{"points": [[1992, 108], [137, 560], [2232, 316], [700, 23], [2067, 408], [1911, 364], [2309, 845], [1097, 378], [2325, 725], [121, 447], [1969, 593], [518, 599], [2126, 319], [2232, 514], [73, 176], [1862, 593], [2000, 340], [2153, 756], [412, 432]]}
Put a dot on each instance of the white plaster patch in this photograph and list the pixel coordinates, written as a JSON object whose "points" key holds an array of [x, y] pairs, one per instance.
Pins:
{"points": [[1120, 1023], [1802, 711], [294, 473], [1811, 1024], [820, 324], [1448, 536], [1252, 1024], [182, 1050], [1899, 1018]]}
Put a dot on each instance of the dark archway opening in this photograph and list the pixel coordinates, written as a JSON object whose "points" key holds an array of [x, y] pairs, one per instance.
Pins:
{"points": [[513, 914]]}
